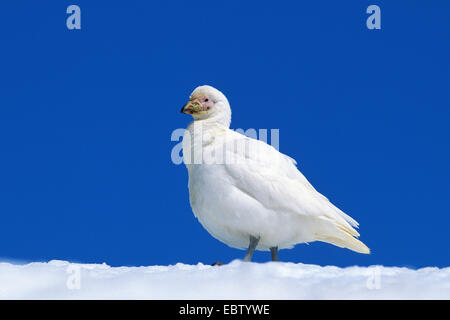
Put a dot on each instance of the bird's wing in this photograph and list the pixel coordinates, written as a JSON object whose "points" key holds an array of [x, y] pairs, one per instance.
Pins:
{"points": [[273, 179]]}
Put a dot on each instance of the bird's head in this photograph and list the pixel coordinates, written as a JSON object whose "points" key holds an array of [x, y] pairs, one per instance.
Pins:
{"points": [[206, 102]]}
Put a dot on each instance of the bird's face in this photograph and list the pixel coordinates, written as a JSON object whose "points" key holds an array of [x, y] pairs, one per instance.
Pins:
{"points": [[199, 106], [207, 102]]}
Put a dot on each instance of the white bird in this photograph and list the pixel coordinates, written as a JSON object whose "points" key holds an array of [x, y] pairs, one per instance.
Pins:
{"points": [[247, 194]]}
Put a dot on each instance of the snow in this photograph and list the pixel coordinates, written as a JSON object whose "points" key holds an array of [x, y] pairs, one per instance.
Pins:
{"points": [[237, 280]]}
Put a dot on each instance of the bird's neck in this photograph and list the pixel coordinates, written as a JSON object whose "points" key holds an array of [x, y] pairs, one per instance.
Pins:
{"points": [[200, 134], [206, 128], [211, 123], [219, 119]]}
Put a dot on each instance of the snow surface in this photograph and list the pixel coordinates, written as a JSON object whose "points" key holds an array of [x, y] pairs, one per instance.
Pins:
{"points": [[237, 280]]}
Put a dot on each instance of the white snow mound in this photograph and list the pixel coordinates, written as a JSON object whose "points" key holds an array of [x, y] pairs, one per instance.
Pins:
{"points": [[237, 280]]}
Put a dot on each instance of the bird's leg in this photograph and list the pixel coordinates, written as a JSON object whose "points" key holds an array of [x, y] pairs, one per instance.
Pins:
{"points": [[274, 253], [251, 248]]}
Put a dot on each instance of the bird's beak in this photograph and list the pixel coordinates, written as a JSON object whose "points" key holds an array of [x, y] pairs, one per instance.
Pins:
{"points": [[192, 107], [186, 108]]}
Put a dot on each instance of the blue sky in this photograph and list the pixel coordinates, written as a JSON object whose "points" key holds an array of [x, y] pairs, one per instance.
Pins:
{"points": [[86, 117]]}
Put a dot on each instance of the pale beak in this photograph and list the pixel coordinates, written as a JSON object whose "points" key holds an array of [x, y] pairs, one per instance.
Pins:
{"points": [[186, 109], [193, 106]]}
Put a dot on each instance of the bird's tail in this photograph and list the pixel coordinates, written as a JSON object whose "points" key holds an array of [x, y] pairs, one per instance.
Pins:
{"points": [[342, 237]]}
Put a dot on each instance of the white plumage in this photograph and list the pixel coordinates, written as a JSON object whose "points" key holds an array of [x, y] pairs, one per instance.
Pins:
{"points": [[241, 187]]}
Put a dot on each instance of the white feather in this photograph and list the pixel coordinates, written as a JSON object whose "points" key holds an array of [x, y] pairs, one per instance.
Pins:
{"points": [[253, 189]]}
